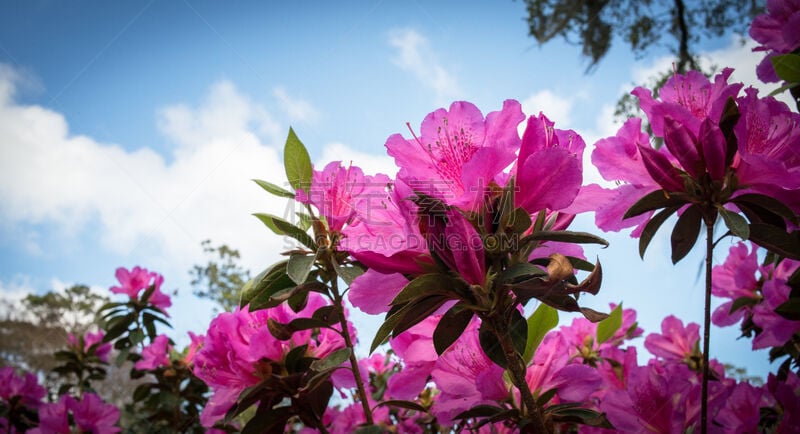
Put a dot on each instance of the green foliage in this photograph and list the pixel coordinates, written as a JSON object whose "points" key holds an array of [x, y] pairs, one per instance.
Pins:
{"points": [[221, 278], [595, 25]]}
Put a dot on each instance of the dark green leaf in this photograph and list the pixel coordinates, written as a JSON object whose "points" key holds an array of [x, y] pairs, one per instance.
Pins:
{"points": [[369, 429], [580, 264], [607, 327], [299, 266], [768, 203], [268, 420], [427, 284], [332, 361], [776, 240], [652, 227], [685, 233], [543, 319], [730, 116], [787, 66], [789, 309], [280, 331], [417, 311], [480, 411], [545, 397], [735, 223], [568, 237], [450, 327], [297, 162], [349, 274], [519, 331], [520, 272], [654, 200], [274, 189], [742, 302], [408, 405], [491, 346], [281, 227]]}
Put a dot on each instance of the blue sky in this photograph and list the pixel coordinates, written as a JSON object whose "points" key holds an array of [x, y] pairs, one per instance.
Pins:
{"points": [[129, 131]]}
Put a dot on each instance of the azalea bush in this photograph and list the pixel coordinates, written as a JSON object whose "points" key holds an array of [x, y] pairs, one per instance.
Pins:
{"points": [[468, 257]]}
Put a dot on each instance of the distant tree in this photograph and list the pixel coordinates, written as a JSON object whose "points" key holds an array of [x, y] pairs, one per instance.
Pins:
{"points": [[680, 24], [221, 278]]}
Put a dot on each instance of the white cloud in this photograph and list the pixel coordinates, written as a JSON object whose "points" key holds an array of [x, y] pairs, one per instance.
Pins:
{"points": [[369, 163], [414, 54], [557, 108], [296, 109], [136, 201]]}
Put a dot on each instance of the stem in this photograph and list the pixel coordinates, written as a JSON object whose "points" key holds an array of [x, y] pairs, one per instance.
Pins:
{"points": [[362, 393], [516, 367], [706, 327]]}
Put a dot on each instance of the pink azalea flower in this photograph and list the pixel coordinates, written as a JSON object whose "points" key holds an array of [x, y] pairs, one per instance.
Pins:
{"points": [[89, 415], [195, 345], [25, 387], [337, 192], [776, 330], [551, 369], [385, 235], [549, 167], [733, 279], [619, 158], [676, 342], [134, 281], [456, 242], [372, 291], [236, 342], [654, 401], [581, 335], [415, 348], [466, 378], [787, 394], [778, 32], [458, 152], [155, 354], [101, 350], [742, 410], [768, 134]]}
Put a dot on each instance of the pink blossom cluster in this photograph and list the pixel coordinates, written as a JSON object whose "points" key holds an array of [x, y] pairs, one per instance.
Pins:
{"points": [[239, 345], [87, 414], [778, 32], [759, 290], [90, 344], [133, 282], [687, 116]]}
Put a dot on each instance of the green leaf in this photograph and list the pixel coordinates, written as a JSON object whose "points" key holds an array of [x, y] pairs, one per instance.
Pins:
{"points": [[480, 411], [727, 122], [408, 405], [787, 66], [281, 227], [520, 272], [396, 321], [274, 189], [776, 240], [607, 327], [784, 88], [349, 274], [654, 200], [427, 284], [333, 360], [491, 346], [297, 162], [685, 233], [652, 227], [789, 309], [768, 203], [735, 223], [450, 327], [568, 237], [299, 266], [543, 319]]}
